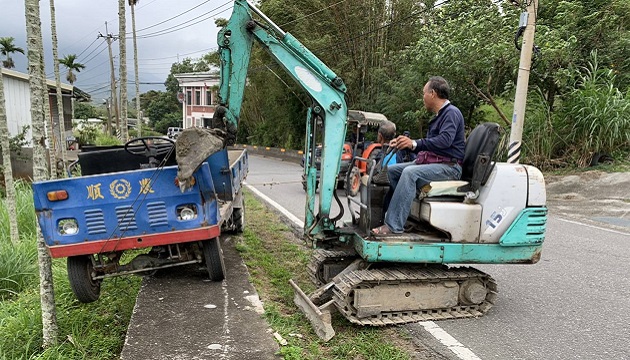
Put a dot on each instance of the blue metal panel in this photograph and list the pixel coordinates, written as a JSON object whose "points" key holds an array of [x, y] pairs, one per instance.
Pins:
{"points": [[221, 174], [447, 253], [527, 229], [120, 204]]}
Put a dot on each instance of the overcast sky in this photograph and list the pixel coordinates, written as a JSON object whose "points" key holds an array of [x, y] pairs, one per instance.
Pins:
{"points": [[79, 22]]}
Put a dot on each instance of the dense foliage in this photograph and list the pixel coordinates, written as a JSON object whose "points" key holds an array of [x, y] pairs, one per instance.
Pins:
{"points": [[386, 50]]}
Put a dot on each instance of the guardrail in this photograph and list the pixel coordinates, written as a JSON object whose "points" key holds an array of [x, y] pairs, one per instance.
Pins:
{"points": [[294, 156]]}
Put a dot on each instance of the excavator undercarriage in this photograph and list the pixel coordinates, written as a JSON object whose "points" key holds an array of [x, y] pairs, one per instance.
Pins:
{"points": [[378, 294]]}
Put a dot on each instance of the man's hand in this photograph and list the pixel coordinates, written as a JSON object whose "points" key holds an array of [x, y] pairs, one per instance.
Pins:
{"points": [[401, 142]]}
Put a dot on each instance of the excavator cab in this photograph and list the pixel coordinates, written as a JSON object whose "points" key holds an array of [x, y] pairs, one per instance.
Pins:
{"points": [[364, 151]]}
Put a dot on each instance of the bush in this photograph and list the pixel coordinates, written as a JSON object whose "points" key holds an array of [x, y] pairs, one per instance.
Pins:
{"points": [[595, 117], [87, 133]]}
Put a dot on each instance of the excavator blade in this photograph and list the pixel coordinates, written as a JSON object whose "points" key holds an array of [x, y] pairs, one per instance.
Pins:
{"points": [[193, 147], [319, 316]]}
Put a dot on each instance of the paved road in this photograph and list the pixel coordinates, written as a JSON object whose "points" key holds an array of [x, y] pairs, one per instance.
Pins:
{"points": [[574, 304]]}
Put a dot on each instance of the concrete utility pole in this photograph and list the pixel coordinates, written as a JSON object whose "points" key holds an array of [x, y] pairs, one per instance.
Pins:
{"points": [[108, 126], [528, 19], [109, 37]]}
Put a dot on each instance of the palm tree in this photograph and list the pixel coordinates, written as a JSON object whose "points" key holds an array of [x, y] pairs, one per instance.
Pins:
{"points": [[122, 28], [132, 4], [61, 119], [35, 70], [69, 62], [7, 48]]}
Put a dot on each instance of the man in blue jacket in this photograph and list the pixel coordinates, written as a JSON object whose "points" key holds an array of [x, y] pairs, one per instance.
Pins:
{"points": [[439, 156]]}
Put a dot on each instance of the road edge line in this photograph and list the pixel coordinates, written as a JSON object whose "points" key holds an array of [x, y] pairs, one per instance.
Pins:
{"points": [[277, 206], [449, 341], [593, 226]]}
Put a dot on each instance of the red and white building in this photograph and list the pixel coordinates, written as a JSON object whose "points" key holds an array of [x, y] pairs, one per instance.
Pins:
{"points": [[199, 98]]}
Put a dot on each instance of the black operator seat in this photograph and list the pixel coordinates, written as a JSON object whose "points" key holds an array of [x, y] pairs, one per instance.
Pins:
{"points": [[481, 145]]}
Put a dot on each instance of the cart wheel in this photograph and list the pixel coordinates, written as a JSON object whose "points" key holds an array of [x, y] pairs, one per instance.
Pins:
{"points": [[238, 219], [80, 270], [214, 259], [354, 181]]}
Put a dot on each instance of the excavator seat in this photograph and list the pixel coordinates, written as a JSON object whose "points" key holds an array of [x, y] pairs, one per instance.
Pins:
{"points": [[476, 167]]}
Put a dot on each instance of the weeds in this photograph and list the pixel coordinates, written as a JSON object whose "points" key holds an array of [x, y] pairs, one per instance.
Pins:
{"points": [[272, 255], [87, 331]]}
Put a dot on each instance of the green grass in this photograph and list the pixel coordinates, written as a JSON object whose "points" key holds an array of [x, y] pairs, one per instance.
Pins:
{"points": [[86, 331], [273, 256]]}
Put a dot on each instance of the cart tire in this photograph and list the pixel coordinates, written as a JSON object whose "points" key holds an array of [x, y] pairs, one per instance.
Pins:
{"points": [[238, 219], [214, 259], [354, 182], [80, 270]]}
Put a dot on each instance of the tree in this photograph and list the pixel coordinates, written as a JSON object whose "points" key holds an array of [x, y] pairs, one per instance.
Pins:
{"points": [[132, 4], [60, 116], [69, 62], [6, 161], [7, 48], [122, 44], [159, 104], [35, 70], [85, 111]]}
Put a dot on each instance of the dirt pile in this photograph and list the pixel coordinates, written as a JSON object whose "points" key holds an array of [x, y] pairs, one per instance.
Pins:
{"points": [[592, 196]]}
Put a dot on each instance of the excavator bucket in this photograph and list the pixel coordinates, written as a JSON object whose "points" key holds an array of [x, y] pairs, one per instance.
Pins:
{"points": [[193, 147]]}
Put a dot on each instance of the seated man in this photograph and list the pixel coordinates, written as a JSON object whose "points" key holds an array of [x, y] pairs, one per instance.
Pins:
{"points": [[439, 156], [386, 133]]}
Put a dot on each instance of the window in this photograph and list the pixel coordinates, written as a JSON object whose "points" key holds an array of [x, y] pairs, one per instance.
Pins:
{"points": [[208, 96], [197, 97], [188, 97]]}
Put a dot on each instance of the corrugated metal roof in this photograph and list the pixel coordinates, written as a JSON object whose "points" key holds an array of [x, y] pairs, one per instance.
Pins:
{"points": [[25, 77], [365, 117]]}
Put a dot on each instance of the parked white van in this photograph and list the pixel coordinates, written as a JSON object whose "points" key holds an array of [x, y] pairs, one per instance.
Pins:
{"points": [[173, 132]]}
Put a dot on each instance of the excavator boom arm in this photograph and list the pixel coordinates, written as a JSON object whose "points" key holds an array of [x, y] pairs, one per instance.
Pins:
{"points": [[325, 88]]}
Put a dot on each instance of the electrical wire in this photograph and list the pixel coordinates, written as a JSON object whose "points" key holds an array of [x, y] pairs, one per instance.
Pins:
{"points": [[313, 13], [184, 25], [169, 19]]}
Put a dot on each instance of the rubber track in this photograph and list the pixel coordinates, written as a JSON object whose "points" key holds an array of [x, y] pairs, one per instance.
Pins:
{"points": [[320, 256], [343, 293]]}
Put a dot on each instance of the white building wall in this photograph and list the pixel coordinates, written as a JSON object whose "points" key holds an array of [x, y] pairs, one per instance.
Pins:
{"points": [[18, 106]]}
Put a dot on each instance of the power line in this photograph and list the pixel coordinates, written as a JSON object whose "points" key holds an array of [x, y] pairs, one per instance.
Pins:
{"points": [[178, 55], [169, 19], [185, 24], [96, 48], [311, 14], [92, 43], [93, 57]]}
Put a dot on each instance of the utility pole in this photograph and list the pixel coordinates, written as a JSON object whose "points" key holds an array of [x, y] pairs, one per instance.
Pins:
{"points": [[528, 20], [108, 127], [109, 37]]}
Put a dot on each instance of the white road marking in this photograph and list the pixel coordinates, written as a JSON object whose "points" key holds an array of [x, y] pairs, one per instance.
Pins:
{"points": [[447, 340], [278, 207], [593, 226], [431, 327]]}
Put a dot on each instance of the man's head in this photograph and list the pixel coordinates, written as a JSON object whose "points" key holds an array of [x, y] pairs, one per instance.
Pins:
{"points": [[435, 93], [386, 132]]}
